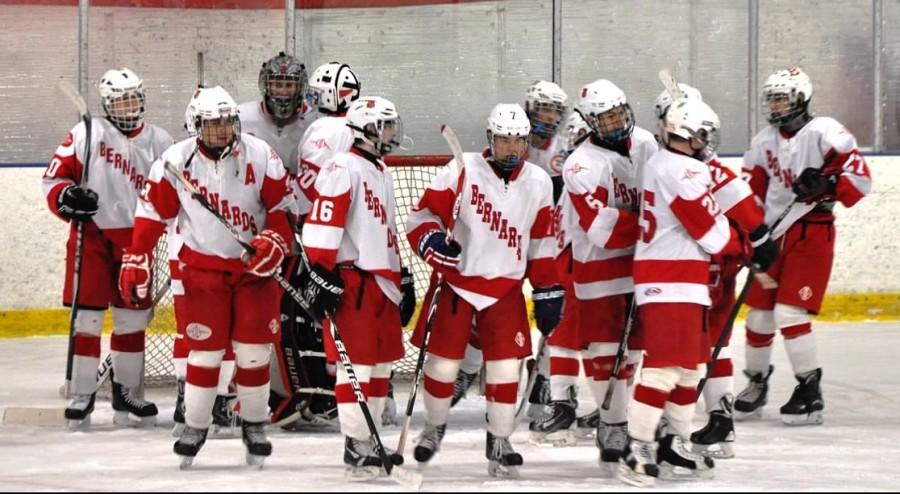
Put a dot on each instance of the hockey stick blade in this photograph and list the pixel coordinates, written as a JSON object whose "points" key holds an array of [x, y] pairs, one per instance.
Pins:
{"points": [[671, 85], [453, 143], [406, 478], [69, 90]]}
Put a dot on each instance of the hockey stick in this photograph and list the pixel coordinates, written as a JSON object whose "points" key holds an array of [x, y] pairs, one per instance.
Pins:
{"points": [[729, 324], [456, 149], [670, 84], [620, 354], [542, 345], [81, 105], [396, 473]]}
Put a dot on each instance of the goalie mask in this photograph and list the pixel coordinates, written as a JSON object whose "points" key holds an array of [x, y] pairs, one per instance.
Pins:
{"points": [[695, 122], [283, 85], [604, 108], [545, 105], [786, 95], [375, 121], [507, 134], [333, 86], [212, 116], [122, 97]]}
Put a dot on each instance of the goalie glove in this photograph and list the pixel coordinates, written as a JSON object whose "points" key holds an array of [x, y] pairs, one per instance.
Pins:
{"points": [[548, 307], [408, 303], [134, 278], [764, 248], [322, 290], [438, 252], [77, 203], [269, 248]]}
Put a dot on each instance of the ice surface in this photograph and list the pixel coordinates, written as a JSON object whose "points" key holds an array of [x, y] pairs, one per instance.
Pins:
{"points": [[858, 448]]}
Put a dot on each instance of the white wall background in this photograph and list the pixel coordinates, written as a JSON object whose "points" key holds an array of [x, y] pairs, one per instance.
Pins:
{"points": [[32, 240]]}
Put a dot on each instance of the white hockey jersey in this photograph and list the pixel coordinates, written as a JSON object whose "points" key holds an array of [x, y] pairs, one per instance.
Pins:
{"points": [[118, 169], [775, 160], [326, 137], [549, 156], [248, 188], [681, 226], [603, 188], [256, 121], [734, 197], [505, 229], [353, 219]]}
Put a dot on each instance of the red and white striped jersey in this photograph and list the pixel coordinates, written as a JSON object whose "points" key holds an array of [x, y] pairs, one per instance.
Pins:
{"points": [[549, 156], [326, 137], [734, 197], [505, 229], [118, 169], [681, 226], [775, 160], [353, 219], [603, 188], [257, 121], [248, 188]]}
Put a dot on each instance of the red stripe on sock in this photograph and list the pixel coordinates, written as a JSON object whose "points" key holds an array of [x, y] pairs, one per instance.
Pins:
{"points": [[130, 342], [87, 345], [253, 376], [378, 387], [343, 393], [563, 366], [588, 366], [650, 396], [501, 393], [683, 396], [437, 388], [796, 331], [722, 368], [603, 367], [203, 377], [759, 340], [626, 372]]}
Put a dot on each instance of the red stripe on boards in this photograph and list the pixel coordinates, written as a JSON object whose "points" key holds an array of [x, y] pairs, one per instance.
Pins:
{"points": [[242, 4]]}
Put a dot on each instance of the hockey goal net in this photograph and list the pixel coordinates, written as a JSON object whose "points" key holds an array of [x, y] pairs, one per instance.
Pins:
{"points": [[411, 175]]}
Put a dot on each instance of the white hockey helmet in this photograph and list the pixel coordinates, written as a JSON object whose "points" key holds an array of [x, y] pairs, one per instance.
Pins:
{"points": [[664, 100], [575, 130], [334, 86], [604, 108], [508, 120], [793, 89], [375, 120], [212, 116], [122, 97], [545, 105], [693, 120]]}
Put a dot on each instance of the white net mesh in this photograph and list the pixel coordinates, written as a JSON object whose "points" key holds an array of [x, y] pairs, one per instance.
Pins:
{"points": [[411, 174]]}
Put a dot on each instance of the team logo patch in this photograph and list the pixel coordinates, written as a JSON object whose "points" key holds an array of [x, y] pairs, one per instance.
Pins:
{"points": [[652, 291], [556, 164], [520, 339], [689, 175], [273, 325], [198, 332], [805, 293]]}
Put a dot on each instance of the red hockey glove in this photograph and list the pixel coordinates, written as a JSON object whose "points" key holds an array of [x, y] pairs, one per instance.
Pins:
{"points": [[134, 278], [269, 253]]}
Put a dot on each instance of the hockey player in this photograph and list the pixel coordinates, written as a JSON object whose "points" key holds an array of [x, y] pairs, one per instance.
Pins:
{"points": [[545, 106], [332, 88], [504, 229], [805, 163], [354, 277], [229, 293], [740, 207], [282, 115], [681, 226], [602, 179], [122, 147]]}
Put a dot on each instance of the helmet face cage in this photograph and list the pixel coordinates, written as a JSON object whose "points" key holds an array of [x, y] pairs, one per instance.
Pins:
{"points": [[575, 131], [375, 121], [122, 98], [374, 133], [708, 136], [212, 116], [283, 84], [789, 92], [510, 123], [507, 161], [614, 125], [545, 116]]}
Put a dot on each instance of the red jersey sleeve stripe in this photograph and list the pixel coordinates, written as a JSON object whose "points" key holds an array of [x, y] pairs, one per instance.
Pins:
{"points": [[625, 231], [746, 213], [694, 215]]}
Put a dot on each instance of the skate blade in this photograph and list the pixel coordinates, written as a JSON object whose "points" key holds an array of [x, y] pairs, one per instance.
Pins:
{"points": [[185, 462], [677, 473], [177, 430], [746, 416], [814, 418], [557, 439], [255, 461], [223, 432], [81, 425], [718, 451], [630, 477], [361, 474], [495, 469], [585, 432], [125, 419]]}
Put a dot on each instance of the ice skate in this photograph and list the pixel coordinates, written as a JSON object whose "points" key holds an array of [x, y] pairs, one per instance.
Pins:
{"points": [[638, 467], [806, 404], [188, 445], [464, 381], [586, 425], [429, 442], [677, 461], [716, 439], [555, 427], [78, 412], [504, 462], [126, 405], [363, 462], [178, 415], [540, 397], [611, 441], [226, 423], [750, 402], [253, 435]]}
